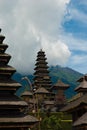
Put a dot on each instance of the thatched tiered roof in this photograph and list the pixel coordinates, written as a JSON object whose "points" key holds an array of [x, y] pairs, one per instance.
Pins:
{"points": [[78, 106], [83, 85], [81, 121], [41, 75], [12, 109], [26, 93], [60, 85], [42, 90], [75, 104]]}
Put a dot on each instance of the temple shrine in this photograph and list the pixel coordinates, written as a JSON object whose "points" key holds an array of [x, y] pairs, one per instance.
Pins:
{"points": [[60, 98], [13, 114], [41, 75], [78, 106]]}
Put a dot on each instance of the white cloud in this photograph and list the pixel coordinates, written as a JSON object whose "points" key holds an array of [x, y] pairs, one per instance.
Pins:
{"points": [[26, 23], [77, 12], [77, 15], [74, 43], [78, 62], [78, 48], [58, 51], [79, 59]]}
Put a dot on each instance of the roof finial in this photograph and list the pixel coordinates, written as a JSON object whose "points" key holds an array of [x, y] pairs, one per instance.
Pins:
{"points": [[41, 49], [1, 37], [0, 30]]}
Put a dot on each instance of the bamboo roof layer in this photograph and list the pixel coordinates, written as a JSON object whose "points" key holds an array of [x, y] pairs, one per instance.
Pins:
{"points": [[7, 68], [83, 86], [48, 102], [42, 90], [23, 120], [11, 100], [60, 84], [9, 83], [81, 121], [82, 78], [12, 108], [13, 103], [32, 101], [27, 93], [76, 103]]}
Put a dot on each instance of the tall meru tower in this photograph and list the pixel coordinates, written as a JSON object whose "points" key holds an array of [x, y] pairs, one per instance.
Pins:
{"points": [[41, 75], [13, 111]]}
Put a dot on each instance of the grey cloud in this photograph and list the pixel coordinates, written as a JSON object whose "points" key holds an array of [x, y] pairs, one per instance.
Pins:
{"points": [[26, 23]]}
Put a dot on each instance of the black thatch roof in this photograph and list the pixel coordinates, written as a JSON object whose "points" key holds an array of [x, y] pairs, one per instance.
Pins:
{"points": [[76, 103], [11, 101], [81, 121], [22, 121], [60, 84], [82, 86], [9, 83], [12, 108], [26, 118], [82, 78], [27, 93], [48, 102], [32, 101], [7, 68], [42, 90]]}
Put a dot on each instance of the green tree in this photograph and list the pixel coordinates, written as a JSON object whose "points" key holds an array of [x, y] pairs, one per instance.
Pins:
{"points": [[51, 123]]}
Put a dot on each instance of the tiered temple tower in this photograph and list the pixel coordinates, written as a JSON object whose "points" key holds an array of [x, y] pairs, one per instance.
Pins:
{"points": [[41, 75], [82, 88], [60, 98], [13, 114], [78, 106]]}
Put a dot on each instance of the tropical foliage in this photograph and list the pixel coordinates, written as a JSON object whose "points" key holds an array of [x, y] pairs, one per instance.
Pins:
{"points": [[54, 121]]}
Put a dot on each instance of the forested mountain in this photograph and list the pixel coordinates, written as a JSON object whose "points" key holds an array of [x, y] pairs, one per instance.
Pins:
{"points": [[67, 75]]}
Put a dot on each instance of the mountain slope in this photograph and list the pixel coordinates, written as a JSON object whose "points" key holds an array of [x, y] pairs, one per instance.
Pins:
{"points": [[67, 75]]}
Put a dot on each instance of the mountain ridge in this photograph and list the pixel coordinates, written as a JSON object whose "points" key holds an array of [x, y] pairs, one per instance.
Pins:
{"points": [[66, 74]]}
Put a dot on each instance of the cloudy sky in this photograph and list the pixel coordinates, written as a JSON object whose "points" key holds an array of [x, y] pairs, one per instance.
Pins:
{"points": [[59, 27]]}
